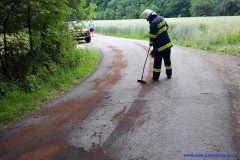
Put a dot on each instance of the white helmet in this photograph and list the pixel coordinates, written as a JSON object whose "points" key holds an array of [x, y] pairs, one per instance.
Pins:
{"points": [[147, 12]]}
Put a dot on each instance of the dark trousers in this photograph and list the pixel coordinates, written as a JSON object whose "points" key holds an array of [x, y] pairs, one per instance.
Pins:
{"points": [[165, 55]]}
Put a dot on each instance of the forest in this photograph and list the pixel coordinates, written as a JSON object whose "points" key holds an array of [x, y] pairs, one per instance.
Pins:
{"points": [[132, 9], [38, 55], [34, 41]]}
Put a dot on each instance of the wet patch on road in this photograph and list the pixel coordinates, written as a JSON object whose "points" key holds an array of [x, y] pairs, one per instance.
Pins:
{"points": [[128, 121], [45, 139]]}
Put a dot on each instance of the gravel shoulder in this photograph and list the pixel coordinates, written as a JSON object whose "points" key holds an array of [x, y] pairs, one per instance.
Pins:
{"points": [[228, 68]]}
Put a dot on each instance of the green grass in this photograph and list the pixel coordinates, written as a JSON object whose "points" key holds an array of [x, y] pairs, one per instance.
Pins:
{"points": [[214, 34], [17, 103], [142, 37]]}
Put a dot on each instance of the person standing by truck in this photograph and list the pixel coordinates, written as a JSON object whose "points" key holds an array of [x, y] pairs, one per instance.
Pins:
{"points": [[91, 27]]}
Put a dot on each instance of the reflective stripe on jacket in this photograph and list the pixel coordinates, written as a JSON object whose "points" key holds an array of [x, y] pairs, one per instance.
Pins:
{"points": [[158, 35]]}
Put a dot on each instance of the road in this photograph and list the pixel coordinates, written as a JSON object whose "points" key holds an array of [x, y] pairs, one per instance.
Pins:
{"points": [[109, 115]]}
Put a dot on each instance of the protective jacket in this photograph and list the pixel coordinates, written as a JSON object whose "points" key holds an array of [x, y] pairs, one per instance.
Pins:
{"points": [[158, 35]]}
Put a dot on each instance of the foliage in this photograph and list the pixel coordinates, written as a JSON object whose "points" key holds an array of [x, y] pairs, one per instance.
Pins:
{"points": [[228, 7], [132, 9], [202, 7], [46, 85], [34, 38], [215, 7], [78, 13]]}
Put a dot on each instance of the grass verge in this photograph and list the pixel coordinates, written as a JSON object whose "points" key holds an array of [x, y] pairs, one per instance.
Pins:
{"points": [[233, 50], [16, 104], [141, 37]]}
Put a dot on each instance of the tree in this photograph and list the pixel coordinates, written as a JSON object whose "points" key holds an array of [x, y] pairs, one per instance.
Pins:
{"points": [[100, 15], [227, 7], [109, 14], [131, 12], [168, 8], [34, 34], [79, 12], [202, 7], [119, 12]]}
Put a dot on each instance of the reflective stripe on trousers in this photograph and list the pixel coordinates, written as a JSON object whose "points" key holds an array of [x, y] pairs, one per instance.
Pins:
{"points": [[158, 62]]}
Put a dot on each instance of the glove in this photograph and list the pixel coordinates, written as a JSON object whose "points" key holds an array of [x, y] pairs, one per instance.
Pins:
{"points": [[153, 52]]}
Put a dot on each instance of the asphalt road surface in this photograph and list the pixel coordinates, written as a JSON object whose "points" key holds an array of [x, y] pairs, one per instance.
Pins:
{"points": [[109, 115]]}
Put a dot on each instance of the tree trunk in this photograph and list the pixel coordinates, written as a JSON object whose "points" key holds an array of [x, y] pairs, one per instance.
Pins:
{"points": [[29, 28], [2, 64], [5, 49]]}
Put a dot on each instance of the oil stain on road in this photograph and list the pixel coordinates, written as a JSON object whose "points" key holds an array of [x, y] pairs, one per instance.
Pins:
{"points": [[45, 140]]}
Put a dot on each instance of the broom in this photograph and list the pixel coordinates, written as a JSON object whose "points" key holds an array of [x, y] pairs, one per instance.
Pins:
{"points": [[141, 80]]}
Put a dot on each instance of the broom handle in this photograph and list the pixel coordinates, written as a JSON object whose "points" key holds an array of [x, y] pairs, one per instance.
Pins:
{"points": [[145, 61]]}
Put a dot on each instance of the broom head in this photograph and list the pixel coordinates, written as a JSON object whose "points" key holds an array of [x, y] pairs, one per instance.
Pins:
{"points": [[142, 81]]}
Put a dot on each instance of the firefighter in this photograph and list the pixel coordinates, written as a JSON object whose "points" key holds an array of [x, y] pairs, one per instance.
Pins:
{"points": [[161, 42]]}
